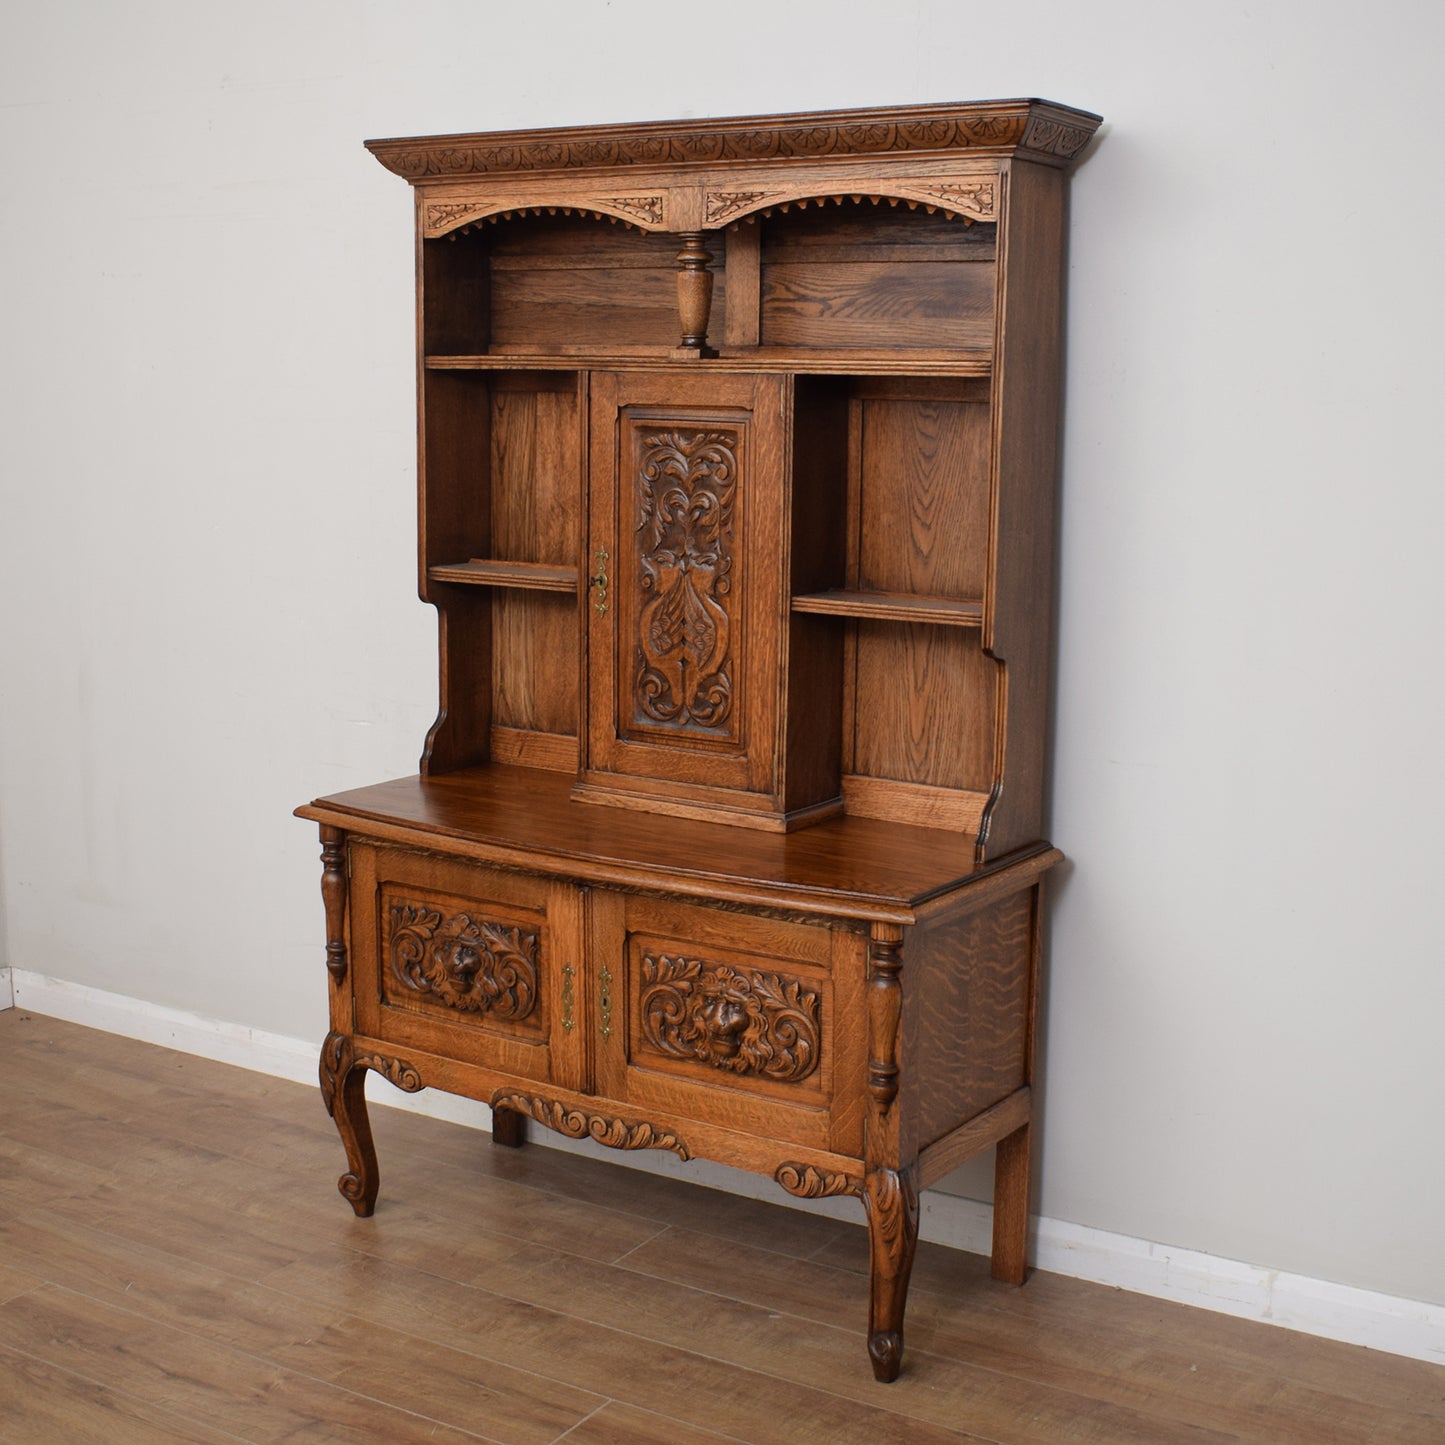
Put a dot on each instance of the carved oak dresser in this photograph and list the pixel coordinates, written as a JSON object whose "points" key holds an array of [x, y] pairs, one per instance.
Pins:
{"points": [[737, 497]]}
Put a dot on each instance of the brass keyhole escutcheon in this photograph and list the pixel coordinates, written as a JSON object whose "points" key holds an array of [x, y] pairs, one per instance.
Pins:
{"points": [[569, 974], [599, 580], [604, 1002]]}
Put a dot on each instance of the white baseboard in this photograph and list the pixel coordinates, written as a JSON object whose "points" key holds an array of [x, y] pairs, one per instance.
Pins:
{"points": [[7, 990], [1333, 1311]]}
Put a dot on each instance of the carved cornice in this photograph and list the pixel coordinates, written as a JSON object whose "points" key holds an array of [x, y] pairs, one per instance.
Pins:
{"points": [[1000, 127], [808, 1182], [577, 1124]]}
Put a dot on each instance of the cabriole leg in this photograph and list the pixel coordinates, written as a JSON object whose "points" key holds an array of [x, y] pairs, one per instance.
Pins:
{"points": [[343, 1089], [890, 1197]]}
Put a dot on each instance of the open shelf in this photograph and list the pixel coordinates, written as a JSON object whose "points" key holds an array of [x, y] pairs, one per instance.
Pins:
{"points": [[486, 572], [842, 361], [893, 607]]}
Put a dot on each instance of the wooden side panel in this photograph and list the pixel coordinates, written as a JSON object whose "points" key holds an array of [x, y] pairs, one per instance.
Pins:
{"points": [[852, 276], [968, 985], [817, 543], [457, 289], [1018, 616], [534, 661], [923, 496], [456, 512], [536, 482], [924, 709]]}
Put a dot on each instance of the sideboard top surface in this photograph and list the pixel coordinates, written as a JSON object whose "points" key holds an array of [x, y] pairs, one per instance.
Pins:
{"points": [[847, 866]]}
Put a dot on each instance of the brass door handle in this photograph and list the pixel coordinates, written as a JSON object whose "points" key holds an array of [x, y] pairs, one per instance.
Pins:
{"points": [[598, 580], [604, 1002]]}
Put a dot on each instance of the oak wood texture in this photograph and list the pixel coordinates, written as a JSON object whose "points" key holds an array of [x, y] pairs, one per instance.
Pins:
{"points": [[171, 1268], [736, 503]]}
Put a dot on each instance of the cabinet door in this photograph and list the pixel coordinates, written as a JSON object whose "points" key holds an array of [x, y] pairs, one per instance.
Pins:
{"points": [[749, 1022], [468, 962], [688, 491]]}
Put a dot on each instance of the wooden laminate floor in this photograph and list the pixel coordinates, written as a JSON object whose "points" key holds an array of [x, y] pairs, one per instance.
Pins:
{"points": [[175, 1264]]}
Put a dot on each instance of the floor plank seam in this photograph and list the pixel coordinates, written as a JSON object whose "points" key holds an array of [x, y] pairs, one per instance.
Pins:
{"points": [[260, 1359], [123, 1394]]}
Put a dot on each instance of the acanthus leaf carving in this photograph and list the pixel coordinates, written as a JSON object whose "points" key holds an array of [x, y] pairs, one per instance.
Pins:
{"points": [[687, 485], [578, 1124], [809, 1182], [474, 965], [332, 1068], [395, 1071], [745, 1022], [442, 216], [645, 208], [967, 198], [722, 205]]}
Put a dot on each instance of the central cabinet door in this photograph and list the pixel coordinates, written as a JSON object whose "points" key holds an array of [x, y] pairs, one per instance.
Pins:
{"points": [[687, 602], [751, 1022]]}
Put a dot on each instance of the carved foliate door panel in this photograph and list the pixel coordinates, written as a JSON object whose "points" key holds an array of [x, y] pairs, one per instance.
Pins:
{"points": [[684, 632], [738, 1018], [468, 961]]}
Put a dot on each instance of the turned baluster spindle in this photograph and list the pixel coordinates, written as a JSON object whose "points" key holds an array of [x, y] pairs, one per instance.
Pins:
{"points": [[694, 293]]}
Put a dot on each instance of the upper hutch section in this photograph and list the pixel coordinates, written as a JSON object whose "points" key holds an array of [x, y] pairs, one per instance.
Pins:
{"points": [[810, 242]]}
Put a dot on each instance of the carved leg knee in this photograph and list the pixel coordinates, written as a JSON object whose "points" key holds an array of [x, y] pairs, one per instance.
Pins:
{"points": [[343, 1088]]}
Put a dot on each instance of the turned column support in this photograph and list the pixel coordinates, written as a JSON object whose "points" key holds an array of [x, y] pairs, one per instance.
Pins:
{"points": [[333, 897], [694, 294], [885, 1013]]}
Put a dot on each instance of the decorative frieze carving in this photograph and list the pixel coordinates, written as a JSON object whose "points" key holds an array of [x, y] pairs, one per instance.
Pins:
{"points": [[645, 208], [966, 198], [445, 215], [808, 1182], [995, 127], [470, 964], [1055, 137], [686, 486], [577, 1124], [723, 205], [746, 1022]]}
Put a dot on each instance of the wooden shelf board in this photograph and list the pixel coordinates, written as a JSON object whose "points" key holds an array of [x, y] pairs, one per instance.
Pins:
{"points": [[808, 363], [485, 572], [893, 607]]}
